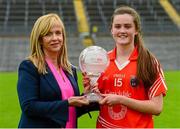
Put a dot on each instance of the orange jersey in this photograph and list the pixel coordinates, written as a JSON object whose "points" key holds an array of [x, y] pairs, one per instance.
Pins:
{"points": [[121, 80]]}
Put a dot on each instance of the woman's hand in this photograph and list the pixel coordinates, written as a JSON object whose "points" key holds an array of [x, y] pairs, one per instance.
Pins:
{"points": [[78, 101]]}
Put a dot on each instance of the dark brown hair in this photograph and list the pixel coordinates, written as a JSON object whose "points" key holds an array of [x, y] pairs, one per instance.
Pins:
{"points": [[147, 65]]}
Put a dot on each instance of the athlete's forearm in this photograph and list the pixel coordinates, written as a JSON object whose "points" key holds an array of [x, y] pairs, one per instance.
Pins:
{"points": [[153, 106]]}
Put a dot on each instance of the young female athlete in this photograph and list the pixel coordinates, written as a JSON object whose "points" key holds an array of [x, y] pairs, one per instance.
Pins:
{"points": [[133, 84]]}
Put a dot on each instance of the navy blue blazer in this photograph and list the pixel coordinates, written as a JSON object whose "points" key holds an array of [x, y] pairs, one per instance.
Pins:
{"points": [[40, 98]]}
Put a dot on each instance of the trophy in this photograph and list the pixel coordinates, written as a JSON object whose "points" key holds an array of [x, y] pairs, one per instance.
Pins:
{"points": [[93, 60]]}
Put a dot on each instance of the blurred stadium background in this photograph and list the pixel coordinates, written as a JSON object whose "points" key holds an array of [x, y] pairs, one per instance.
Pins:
{"points": [[87, 22]]}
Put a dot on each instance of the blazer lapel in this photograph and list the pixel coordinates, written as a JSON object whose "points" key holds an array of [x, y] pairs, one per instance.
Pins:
{"points": [[52, 81], [73, 83]]}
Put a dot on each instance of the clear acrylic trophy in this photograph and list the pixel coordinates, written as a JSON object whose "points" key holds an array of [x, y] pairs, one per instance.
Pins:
{"points": [[93, 60]]}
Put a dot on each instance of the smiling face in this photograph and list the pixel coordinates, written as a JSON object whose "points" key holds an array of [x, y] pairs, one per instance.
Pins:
{"points": [[123, 29], [53, 40]]}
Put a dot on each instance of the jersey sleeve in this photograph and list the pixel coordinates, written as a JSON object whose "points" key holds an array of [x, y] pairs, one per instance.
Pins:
{"points": [[158, 87]]}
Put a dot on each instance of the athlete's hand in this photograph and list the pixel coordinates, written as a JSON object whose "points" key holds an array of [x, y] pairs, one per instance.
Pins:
{"points": [[110, 99], [86, 83], [78, 101], [95, 89], [88, 87]]}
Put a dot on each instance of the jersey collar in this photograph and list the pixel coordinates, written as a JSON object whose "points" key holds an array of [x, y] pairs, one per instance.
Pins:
{"points": [[133, 56]]}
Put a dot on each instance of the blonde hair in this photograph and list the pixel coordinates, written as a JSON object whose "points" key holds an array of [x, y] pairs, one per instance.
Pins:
{"points": [[41, 27], [147, 64]]}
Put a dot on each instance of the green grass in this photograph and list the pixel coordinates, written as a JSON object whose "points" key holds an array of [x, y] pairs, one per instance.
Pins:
{"points": [[10, 110], [9, 105], [169, 118]]}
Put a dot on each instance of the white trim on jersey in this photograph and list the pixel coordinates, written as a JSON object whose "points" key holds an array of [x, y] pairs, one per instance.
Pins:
{"points": [[163, 81], [106, 124], [120, 67], [154, 88]]}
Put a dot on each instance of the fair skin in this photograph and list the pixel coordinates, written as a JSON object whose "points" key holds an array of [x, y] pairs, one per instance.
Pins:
{"points": [[123, 31], [51, 45]]}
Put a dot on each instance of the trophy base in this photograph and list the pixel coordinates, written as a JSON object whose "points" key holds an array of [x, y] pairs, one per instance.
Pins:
{"points": [[93, 97]]}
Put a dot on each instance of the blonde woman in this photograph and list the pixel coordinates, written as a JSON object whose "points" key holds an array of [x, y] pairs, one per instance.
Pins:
{"points": [[47, 83]]}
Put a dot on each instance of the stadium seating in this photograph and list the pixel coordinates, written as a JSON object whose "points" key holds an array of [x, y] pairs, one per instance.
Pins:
{"points": [[21, 14], [13, 50], [176, 4], [165, 48], [17, 17], [153, 17]]}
